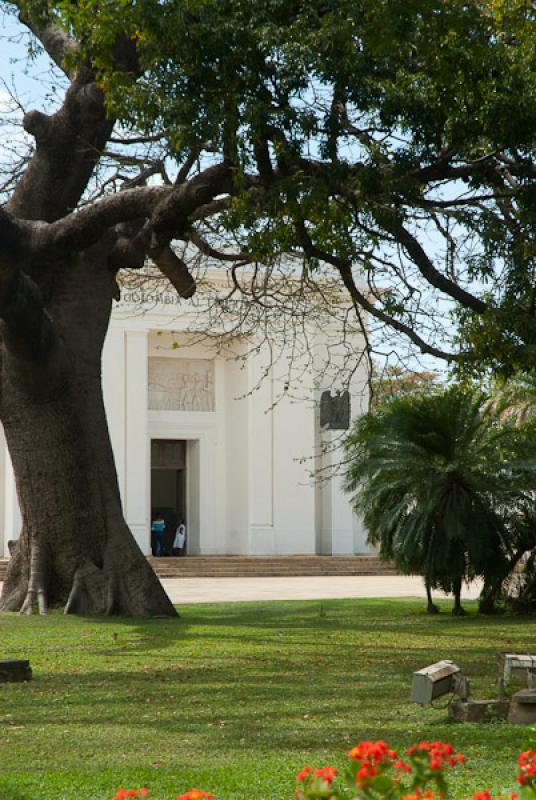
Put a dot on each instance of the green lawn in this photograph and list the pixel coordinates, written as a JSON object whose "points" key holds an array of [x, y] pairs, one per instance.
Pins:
{"points": [[235, 698]]}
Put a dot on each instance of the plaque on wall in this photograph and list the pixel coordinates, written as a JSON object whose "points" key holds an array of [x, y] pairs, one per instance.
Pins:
{"points": [[181, 384], [335, 411]]}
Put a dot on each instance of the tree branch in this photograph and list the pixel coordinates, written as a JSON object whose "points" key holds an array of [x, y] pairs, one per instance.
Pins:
{"points": [[414, 249], [171, 216], [204, 247], [345, 270], [175, 270], [54, 39]]}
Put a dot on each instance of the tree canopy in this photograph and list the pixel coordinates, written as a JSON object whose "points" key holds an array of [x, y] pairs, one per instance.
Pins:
{"points": [[445, 486], [392, 141]]}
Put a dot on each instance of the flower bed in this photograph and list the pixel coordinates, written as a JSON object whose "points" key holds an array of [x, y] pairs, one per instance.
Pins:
{"points": [[376, 772]]}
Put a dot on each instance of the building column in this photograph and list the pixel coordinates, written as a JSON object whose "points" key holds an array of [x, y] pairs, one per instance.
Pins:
{"points": [[137, 484], [3, 458], [12, 515], [339, 531], [113, 387], [261, 456]]}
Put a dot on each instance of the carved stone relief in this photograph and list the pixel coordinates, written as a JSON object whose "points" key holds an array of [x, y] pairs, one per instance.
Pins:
{"points": [[181, 384], [335, 411]]}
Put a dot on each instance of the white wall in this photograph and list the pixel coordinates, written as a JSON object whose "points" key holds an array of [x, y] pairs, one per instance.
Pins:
{"points": [[3, 456], [237, 478], [339, 531], [250, 461], [11, 517], [260, 449]]}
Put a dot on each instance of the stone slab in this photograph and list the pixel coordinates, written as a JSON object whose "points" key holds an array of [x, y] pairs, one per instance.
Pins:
{"points": [[478, 710], [15, 671], [525, 696], [522, 714]]}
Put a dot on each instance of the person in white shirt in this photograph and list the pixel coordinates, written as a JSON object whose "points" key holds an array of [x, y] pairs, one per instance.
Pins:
{"points": [[179, 542]]}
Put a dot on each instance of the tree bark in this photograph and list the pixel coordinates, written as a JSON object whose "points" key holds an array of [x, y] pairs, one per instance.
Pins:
{"points": [[75, 549], [431, 607], [458, 610]]}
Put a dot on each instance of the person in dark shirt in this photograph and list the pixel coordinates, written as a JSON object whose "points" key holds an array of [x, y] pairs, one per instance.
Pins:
{"points": [[158, 528]]}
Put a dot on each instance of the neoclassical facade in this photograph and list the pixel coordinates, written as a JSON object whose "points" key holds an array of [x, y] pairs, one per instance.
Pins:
{"points": [[223, 431]]}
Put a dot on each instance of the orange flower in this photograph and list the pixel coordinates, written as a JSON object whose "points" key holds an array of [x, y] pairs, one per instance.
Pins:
{"points": [[325, 773], [303, 773], [438, 754], [195, 794], [122, 793], [374, 751], [429, 794], [364, 774], [527, 762]]}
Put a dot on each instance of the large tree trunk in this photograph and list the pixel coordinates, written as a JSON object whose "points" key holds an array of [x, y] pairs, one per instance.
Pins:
{"points": [[57, 273], [75, 549]]}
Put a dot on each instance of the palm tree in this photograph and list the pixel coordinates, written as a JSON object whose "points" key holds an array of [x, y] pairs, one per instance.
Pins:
{"points": [[443, 486]]}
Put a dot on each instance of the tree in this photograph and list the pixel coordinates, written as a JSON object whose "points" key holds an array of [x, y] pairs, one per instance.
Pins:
{"points": [[347, 133], [514, 401], [60, 255], [394, 381], [444, 487], [394, 141]]}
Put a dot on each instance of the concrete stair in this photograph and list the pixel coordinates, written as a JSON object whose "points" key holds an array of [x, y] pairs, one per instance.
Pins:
{"points": [[268, 566], [261, 566]]}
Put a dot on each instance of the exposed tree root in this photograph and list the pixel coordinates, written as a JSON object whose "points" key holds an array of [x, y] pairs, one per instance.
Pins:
{"points": [[37, 583], [89, 593]]}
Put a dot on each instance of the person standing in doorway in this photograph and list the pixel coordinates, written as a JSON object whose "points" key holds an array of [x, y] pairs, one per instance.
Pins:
{"points": [[179, 543], [158, 528]]}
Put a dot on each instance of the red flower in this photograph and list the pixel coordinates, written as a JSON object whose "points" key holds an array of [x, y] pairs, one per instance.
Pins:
{"points": [[527, 762], [373, 751], [437, 755], [325, 773], [195, 794], [122, 793], [303, 773], [364, 774], [374, 758]]}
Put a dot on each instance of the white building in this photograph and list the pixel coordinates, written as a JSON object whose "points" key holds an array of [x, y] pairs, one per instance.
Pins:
{"points": [[224, 430]]}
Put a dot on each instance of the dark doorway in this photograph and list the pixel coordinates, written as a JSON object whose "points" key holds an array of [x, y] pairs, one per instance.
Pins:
{"points": [[168, 486]]}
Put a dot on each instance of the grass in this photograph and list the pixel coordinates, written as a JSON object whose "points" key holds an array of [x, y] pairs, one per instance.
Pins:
{"points": [[235, 698]]}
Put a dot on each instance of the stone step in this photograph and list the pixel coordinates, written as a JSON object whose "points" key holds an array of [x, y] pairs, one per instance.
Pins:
{"points": [[269, 566], [263, 566], [336, 560]]}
